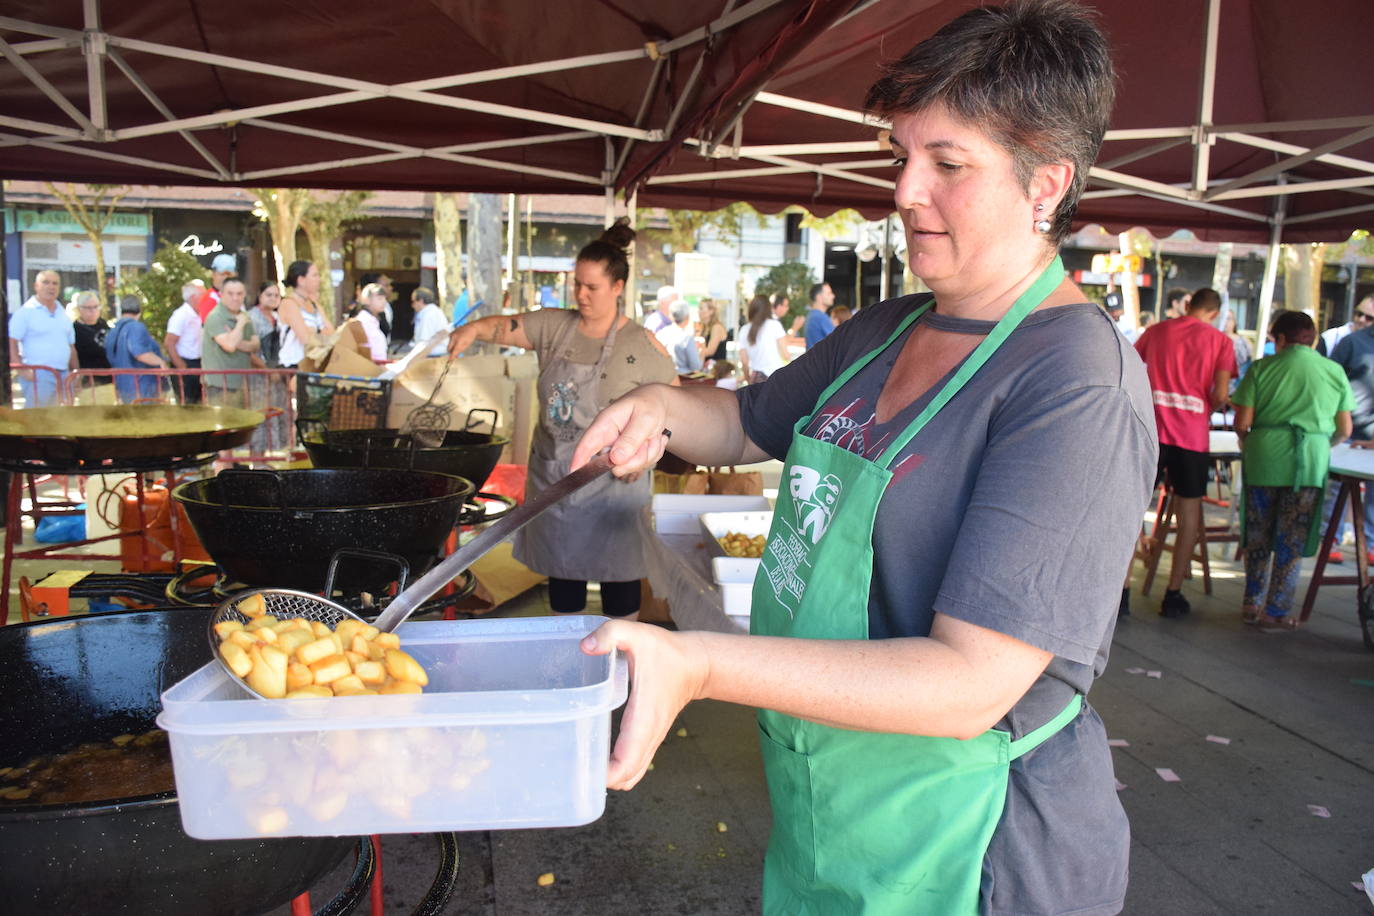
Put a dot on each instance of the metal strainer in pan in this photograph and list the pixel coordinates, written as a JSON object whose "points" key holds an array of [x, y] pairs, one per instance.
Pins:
{"points": [[284, 603]]}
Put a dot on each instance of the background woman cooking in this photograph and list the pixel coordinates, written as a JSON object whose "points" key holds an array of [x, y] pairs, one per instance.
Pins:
{"points": [[965, 479], [587, 358]]}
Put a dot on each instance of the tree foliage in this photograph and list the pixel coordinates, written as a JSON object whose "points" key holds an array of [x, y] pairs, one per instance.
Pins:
{"points": [[160, 285], [792, 278], [684, 226], [92, 211], [281, 209], [323, 220]]}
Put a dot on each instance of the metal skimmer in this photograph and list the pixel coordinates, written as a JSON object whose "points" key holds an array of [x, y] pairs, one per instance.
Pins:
{"points": [[285, 603]]}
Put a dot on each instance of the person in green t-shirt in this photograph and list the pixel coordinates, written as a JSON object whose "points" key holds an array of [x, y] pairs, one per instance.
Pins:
{"points": [[228, 342], [1290, 409]]}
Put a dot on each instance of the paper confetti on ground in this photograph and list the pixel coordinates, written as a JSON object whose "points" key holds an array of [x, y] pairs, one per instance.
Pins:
{"points": [[681, 733], [1120, 785], [1167, 774], [1318, 811], [1135, 670], [545, 879], [1217, 739], [1118, 742], [1154, 674]]}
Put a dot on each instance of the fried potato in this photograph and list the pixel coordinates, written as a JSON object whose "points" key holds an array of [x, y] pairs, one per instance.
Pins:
{"points": [[402, 667], [252, 606]]}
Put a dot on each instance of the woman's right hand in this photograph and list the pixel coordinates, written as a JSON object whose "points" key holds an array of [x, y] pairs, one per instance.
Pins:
{"points": [[633, 427], [461, 337]]}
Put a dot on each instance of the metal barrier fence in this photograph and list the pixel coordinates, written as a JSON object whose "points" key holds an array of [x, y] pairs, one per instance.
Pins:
{"points": [[38, 386]]}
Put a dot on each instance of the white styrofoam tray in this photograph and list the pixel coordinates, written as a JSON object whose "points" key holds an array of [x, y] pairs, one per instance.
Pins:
{"points": [[512, 731], [718, 524], [676, 513]]}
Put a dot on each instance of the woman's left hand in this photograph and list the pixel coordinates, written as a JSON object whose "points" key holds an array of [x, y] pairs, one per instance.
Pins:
{"points": [[667, 671]]}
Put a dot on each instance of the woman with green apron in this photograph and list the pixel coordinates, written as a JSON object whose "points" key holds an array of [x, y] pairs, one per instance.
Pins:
{"points": [[587, 358], [1290, 409], [964, 479]]}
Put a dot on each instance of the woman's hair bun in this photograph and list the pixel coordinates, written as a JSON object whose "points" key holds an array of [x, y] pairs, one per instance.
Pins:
{"points": [[619, 234]]}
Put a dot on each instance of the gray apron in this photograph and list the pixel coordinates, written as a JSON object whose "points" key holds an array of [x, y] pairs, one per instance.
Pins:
{"points": [[593, 534]]}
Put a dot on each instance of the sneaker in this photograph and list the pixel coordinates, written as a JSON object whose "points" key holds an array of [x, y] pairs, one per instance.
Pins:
{"points": [[1124, 609], [1174, 604], [1335, 556]]}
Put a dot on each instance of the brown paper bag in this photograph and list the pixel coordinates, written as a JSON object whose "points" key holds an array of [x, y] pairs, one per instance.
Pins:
{"points": [[734, 483], [691, 483]]}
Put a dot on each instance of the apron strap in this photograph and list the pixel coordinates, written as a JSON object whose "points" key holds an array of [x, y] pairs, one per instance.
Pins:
{"points": [[854, 367], [1033, 739], [1027, 302]]}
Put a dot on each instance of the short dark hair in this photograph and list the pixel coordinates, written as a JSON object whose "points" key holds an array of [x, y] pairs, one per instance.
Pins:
{"points": [[1035, 75], [817, 289], [1176, 295], [295, 271], [372, 277], [1295, 327], [1205, 300], [610, 250], [238, 280]]}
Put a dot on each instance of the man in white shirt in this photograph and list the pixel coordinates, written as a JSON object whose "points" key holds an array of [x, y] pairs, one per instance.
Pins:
{"points": [[1362, 317], [678, 339], [429, 320], [41, 334], [658, 319], [182, 342]]}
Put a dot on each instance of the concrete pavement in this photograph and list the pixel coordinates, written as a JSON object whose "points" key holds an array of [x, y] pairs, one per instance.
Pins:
{"points": [[1234, 835]]}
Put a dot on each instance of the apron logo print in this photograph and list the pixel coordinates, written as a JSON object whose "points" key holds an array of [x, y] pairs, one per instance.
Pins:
{"points": [[816, 497], [562, 400]]}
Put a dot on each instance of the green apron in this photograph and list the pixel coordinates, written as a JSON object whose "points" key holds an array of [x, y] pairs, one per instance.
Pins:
{"points": [[1310, 451], [869, 823]]}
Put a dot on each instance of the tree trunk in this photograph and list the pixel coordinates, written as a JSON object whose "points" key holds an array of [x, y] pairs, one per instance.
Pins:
{"points": [[484, 251], [1302, 278], [448, 248], [320, 246]]}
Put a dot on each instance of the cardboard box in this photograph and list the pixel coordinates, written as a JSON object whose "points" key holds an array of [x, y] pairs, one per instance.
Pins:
{"points": [[524, 371], [345, 352], [472, 382]]}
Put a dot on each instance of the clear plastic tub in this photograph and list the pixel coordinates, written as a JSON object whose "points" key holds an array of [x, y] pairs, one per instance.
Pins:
{"points": [[513, 731]]}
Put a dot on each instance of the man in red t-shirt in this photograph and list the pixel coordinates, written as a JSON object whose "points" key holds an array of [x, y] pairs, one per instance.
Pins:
{"points": [[1190, 364], [222, 268]]}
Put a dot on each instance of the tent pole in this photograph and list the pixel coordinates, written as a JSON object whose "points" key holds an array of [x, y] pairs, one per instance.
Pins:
{"points": [[1271, 272], [631, 294]]}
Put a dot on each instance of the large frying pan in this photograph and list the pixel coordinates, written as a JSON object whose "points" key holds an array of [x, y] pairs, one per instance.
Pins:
{"points": [[86, 679], [139, 431]]}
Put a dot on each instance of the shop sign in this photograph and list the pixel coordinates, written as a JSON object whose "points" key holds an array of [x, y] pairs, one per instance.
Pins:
{"points": [[191, 245], [61, 221]]}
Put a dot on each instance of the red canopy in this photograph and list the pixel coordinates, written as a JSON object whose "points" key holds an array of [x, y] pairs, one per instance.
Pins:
{"points": [[581, 95], [1288, 85], [527, 97]]}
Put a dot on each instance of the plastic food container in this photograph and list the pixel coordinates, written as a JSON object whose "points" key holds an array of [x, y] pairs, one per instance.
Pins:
{"points": [[718, 524], [677, 513], [512, 731], [735, 576]]}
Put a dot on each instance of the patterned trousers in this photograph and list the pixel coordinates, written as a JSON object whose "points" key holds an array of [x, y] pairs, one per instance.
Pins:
{"points": [[1277, 520]]}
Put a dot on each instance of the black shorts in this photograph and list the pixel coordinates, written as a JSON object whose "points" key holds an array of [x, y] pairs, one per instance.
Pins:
{"points": [[1186, 470]]}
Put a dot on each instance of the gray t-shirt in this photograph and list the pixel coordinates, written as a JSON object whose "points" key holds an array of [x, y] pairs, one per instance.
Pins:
{"points": [[1355, 353], [1017, 509]]}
